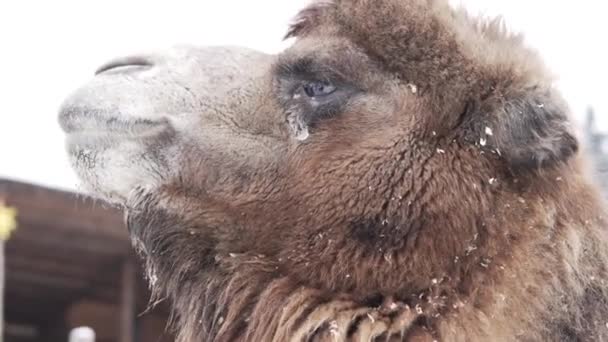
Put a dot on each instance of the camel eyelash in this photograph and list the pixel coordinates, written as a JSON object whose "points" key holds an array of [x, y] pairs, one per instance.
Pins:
{"points": [[309, 69]]}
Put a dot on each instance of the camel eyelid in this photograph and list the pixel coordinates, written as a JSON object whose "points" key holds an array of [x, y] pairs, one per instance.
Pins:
{"points": [[308, 69]]}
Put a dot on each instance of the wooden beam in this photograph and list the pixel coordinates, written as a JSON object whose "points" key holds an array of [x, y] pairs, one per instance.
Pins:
{"points": [[67, 211], [48, 265], [19, 248], [47, 280], [19, 308], [46, 236], [127, 302]]}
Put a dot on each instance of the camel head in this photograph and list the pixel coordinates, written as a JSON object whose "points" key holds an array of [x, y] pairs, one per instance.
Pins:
{"points": [[392, 150]]}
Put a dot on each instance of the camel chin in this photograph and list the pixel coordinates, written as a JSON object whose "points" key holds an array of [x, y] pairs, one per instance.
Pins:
{"points": [[111, 165], [127, 127]]}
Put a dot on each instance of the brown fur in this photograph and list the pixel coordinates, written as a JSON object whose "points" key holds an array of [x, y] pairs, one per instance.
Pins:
{"points": [[446, 201]]}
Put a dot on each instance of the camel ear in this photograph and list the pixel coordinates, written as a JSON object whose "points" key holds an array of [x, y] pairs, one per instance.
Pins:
{"points": [[529, 131], [308, 18]]}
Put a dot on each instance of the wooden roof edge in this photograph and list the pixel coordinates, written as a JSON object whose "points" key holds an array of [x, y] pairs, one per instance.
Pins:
{"points": [[63, 209], [8, 186]]}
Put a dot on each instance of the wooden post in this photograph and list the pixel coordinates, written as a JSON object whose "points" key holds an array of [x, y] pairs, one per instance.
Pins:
{"points": [[2, 265], [8, 223], [127, 303]]}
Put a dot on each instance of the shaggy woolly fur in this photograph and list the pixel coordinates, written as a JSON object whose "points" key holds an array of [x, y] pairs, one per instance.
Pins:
{"points": [[441, 198]]}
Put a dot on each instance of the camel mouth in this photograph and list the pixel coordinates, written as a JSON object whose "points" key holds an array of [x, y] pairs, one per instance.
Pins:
{"points": [[92, 122], [110, 152], [132, 132]]}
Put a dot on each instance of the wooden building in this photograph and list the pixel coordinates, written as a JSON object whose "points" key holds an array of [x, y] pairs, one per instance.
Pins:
{"points": [[69, 264]]}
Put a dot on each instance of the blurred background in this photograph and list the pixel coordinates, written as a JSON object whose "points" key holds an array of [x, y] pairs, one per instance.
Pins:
{"points": [[68, 263]]}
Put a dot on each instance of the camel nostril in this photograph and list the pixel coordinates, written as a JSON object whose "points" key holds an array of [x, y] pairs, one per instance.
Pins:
{"points": [[134, 61]]}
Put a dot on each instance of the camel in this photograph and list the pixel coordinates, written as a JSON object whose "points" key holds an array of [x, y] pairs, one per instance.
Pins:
{"points": [[403, 172]]}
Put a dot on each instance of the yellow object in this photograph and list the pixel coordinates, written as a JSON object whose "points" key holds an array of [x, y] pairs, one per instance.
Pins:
{"points": [[8, 221]]}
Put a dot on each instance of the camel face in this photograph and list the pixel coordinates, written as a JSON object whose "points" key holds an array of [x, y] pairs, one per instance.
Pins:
{"points": [[142, 119]]}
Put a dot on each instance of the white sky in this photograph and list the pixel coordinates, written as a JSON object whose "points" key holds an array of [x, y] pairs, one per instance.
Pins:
{"points": [[49, 48]]}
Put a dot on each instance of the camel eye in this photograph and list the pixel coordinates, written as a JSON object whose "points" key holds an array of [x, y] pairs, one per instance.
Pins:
{"points": [[318, 88]]}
